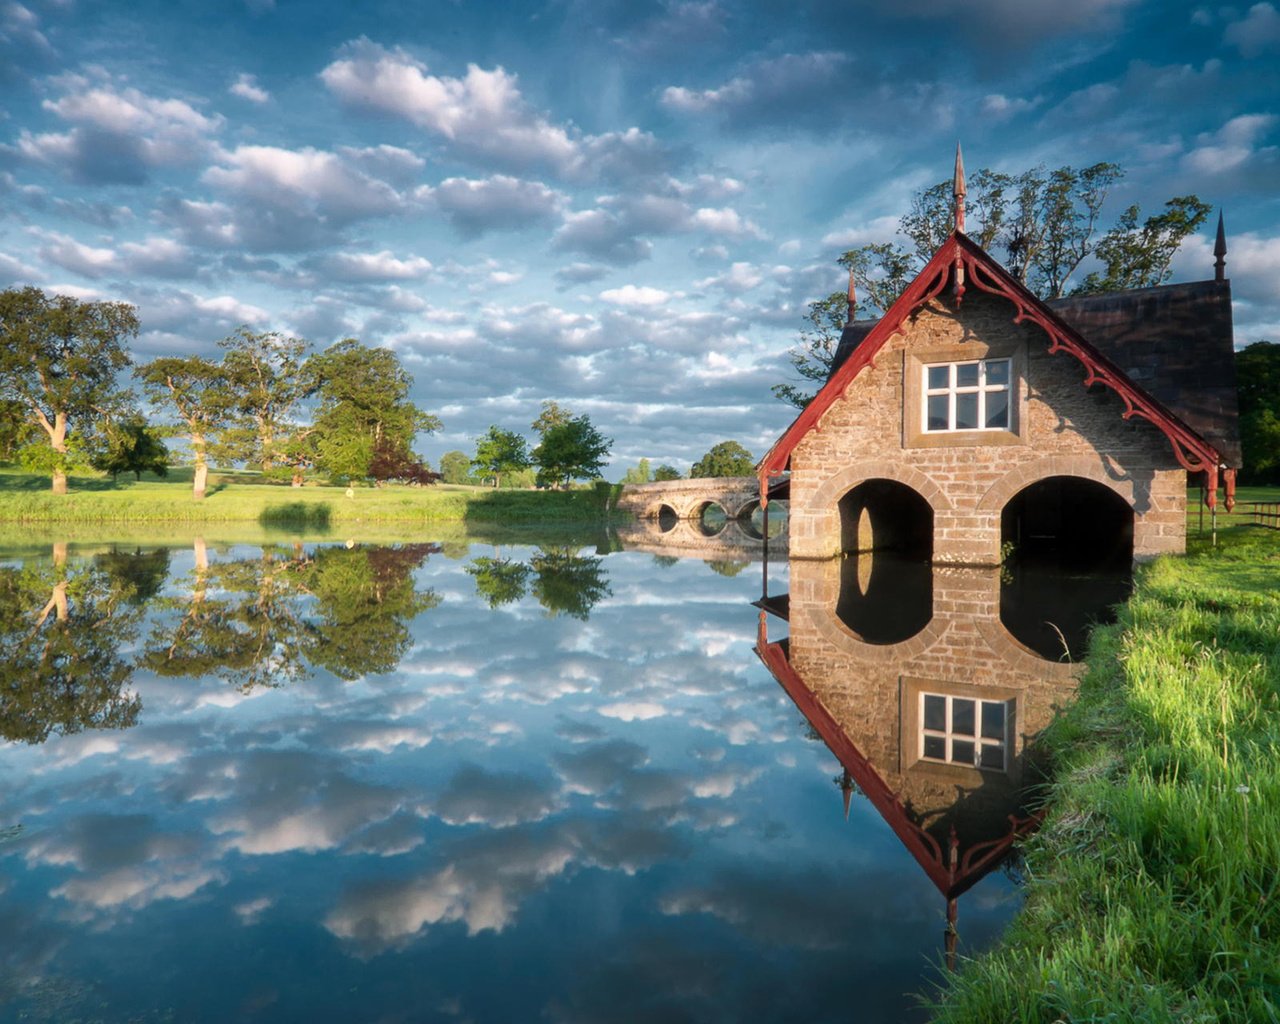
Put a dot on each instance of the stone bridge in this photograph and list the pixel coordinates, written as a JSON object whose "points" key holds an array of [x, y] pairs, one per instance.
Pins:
{"points": [[690, 539], [735, 496]]}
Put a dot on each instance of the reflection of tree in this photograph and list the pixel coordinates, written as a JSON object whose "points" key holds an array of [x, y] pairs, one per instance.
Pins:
{"points": [[568, 583], [726, 567], [140, 572], [365, 598], [61, 633], [499, 580], [264, 621]]}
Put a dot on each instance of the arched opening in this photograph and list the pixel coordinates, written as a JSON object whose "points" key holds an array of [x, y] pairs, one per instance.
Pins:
{"points": [[751, 518], [711, 518], [1068, 546], [886, 580], [884, 515], [667, 519]]}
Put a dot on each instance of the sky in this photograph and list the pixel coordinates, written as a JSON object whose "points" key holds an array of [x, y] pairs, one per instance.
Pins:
{"points": [[621, 205]]}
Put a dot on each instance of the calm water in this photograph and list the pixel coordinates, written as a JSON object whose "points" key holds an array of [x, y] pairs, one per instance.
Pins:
{"points": [[311, 782]]}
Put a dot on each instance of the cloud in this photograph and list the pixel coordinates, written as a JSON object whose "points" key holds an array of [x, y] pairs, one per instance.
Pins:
{"points": [[579, 273], [475, 796], [23, 46], [482, 115], [1257, 33], [119, 134], [1229, 148], [372, 266], [246, 87], [769, 91], [633, 296], [499, 202]]}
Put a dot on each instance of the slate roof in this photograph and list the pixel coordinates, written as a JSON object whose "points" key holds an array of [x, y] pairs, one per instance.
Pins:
{"points": [[1174, 341]]}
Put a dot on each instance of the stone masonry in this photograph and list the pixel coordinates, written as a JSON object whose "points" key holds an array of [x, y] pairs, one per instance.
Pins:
{"points": [[1059, 428]]}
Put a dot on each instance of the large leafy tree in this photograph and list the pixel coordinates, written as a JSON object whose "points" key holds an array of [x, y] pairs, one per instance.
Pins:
{"points": [[501, 451], [455, 467], [571, 450], [59, 359], [197, 391], [728, 458], [363, 408], [567, 583], [132, 446], [1258, 376], [264, 374], [1043, 225]]}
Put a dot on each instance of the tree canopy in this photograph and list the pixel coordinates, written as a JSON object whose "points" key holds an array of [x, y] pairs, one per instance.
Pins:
{"points": [[1042, 225], [728, 458], [499, 452], [198, 392], [59, 360], [570, 450], [1258, 377]]}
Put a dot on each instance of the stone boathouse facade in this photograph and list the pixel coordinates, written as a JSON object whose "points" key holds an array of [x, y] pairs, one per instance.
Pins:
{"points": [[975, 416]]}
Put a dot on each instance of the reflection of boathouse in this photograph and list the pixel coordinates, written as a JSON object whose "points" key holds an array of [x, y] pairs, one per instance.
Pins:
{"points": [[966, 419], [933, 728]]}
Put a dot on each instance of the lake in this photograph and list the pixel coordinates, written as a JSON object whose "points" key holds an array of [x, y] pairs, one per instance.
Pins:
{"points": [[484, 781]]}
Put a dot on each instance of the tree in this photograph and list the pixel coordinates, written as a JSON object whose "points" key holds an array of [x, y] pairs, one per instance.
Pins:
{"points": [[391, 462], [59, 358], [455, 467], [499, 580], [666, 472], [363, 407], [264, 372], [567, 583], [1140, 257], [132, 447], [1042, 225], [639, 474], [570, 450], [1258, 376], [728, 458], [553, 415], [198, 392], [501, 451]]}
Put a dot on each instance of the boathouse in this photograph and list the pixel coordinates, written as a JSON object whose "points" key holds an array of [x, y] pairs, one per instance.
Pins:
{"points": [[974, 417]]}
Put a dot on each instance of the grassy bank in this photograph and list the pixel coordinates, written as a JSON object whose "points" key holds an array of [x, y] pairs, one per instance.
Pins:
{"points": [[1154, 891], [241, 499]]}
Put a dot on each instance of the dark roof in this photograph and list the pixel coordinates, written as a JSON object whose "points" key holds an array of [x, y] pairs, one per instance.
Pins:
{"points": [[1174, 341]]}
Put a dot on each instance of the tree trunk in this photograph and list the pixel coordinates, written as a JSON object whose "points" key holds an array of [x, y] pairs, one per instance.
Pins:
{"points": [[58, 439], [297, 480], [200, 480]]}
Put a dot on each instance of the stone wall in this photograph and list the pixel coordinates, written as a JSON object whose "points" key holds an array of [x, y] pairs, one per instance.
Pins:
{"points": [[1059, 429]]}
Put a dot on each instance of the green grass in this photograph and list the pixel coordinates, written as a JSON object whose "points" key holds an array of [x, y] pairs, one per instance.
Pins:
{"points": [[245, 498], [1154, 887]]}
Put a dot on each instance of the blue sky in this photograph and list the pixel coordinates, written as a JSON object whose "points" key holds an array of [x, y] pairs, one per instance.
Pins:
{"points": [[622, 206]]}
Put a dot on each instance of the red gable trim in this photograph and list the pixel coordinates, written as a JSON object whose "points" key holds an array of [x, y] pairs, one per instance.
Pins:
{"points": [[968, 260], [951, 872]]}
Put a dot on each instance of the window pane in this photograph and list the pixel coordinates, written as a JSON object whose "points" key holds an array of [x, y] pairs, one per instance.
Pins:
{"points": [[935, 747], [998, 409], [962, 717], [967, 411], [998, 371], [962, 751], [992, 720], [935, 712], [937, 413], [966, 375], [992, 756], [939, 377]]}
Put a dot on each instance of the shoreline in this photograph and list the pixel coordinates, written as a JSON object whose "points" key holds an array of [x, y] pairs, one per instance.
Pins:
{"points": [[1153, 888]]}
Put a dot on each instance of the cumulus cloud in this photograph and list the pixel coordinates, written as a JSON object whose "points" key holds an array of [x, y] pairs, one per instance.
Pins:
{"points": [[499, 202], [118, 134], [631, 295], [1257, 33], [482, 115], [1235, 143], [372, 266], [23, 46], [246, 87]]}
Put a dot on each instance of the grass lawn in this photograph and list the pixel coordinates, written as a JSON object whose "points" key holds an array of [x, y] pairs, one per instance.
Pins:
{"points": [[246, 498], [1154, 886]]}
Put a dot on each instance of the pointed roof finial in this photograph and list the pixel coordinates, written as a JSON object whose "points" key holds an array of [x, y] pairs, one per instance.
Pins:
{"points": [[958, 190], [846, 791], [1220, 252], [853, 299]]}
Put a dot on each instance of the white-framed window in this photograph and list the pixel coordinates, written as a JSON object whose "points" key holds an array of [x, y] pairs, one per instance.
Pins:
{"points": [[964, 730], [970, 395]]}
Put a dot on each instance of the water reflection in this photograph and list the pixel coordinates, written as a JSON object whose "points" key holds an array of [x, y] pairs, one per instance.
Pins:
{"points": [[928, 688]]}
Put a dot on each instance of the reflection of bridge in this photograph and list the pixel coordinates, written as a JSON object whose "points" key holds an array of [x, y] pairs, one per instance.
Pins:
{"points": [[692, 539], [736, 496]]}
